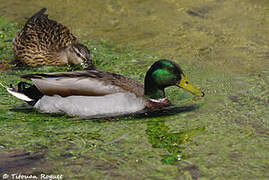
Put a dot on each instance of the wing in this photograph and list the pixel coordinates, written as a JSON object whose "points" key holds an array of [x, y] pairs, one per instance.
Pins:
{"points": [[49, 34], [42, 38], [85, 83]]}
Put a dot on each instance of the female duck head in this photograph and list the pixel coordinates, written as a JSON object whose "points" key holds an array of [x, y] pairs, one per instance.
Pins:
{"points": [[79, 54], [164, 73]]}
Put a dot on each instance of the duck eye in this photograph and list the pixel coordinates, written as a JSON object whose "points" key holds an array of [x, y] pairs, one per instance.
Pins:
{"points": [[186, 82], [78, 54]]}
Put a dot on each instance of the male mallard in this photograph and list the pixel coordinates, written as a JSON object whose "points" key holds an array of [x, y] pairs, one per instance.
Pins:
{"points": [[94, 92], [43, 41]]}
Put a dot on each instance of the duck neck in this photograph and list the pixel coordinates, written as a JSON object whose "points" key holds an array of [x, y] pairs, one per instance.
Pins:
{"points": [[152, 91]]}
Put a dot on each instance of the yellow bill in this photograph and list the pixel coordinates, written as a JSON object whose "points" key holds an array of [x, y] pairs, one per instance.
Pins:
{"points": [[185, 84]]}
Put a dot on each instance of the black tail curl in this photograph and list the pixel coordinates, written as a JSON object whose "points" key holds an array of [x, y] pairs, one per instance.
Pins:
{"points": [[32, 92]]}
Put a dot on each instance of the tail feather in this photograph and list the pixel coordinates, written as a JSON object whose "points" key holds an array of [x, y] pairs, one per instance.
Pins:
{"points": [[6, 41], [29, 94], [19, 94], [37, 15]]}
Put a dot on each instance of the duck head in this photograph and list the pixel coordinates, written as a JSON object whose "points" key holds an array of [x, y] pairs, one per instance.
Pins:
{"points": [[79, 54], [165, 73]]}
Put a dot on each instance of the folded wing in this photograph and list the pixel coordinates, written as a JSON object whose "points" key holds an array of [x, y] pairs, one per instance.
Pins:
{"points": [[84, 83]]}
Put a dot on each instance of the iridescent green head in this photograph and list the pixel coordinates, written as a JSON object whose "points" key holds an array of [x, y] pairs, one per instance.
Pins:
{"points": [[164, 73]]}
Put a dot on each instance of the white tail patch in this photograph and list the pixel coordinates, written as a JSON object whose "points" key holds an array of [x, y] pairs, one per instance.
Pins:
{"points": [[18, 95]]}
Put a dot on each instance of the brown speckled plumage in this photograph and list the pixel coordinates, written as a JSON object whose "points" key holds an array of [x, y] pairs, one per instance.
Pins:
{"points": [[43, 41]]}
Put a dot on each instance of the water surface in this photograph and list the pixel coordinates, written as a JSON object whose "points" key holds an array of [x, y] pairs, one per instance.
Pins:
{"points": [[226, 34]]}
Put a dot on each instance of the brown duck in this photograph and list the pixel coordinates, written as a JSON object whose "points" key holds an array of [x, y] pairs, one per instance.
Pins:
{"points": [[94, 92], [43, 41]]}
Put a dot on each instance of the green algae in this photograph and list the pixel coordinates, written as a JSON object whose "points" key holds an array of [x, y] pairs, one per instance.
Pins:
{"points": [[214, 33], [160, 137], [221, 136]]}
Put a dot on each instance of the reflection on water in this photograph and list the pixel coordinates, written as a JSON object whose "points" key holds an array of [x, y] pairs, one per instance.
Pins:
{"points": [[160, 137], [157, 132], [207, 32]]}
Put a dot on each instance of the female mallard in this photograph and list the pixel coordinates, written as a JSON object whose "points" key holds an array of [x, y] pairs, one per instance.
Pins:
{"points": [[43, 41], [97, 93]]}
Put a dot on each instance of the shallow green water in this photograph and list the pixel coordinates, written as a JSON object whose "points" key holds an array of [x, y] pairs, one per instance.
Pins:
{"points": [[225, 34], [222, 47]]}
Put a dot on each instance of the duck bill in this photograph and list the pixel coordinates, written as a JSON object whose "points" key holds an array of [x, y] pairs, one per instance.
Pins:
{"points": [[185, 84]]}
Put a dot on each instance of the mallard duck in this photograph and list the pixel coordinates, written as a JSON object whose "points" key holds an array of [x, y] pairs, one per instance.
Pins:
{"points": [[93, 92], [43, 41]]}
